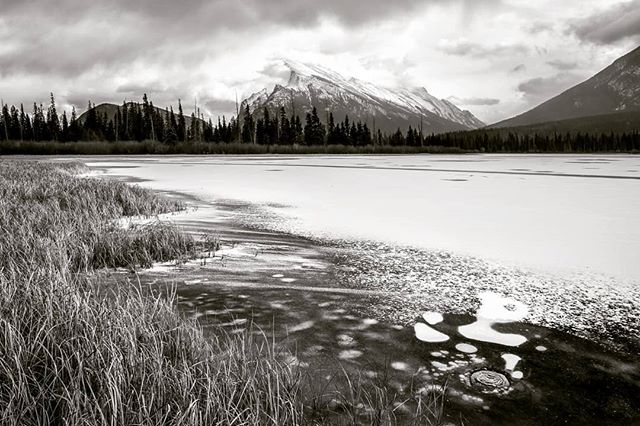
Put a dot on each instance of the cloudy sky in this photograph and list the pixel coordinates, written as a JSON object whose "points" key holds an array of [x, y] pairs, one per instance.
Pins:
{"points": [[496, 58]]}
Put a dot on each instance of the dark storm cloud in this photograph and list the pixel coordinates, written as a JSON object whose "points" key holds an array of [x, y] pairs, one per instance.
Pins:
{"points": [[563, 65], [276, 71], [610, 25], [542, 88], [539, 27], [217, 105], [139, 89], [71, 37], [468, 48], [474, 101]]}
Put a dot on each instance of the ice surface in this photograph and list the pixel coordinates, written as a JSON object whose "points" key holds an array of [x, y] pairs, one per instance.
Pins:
{"points": [[511, 361], [559, 233], [495, 309], [432, 317], [429, 334], [350, 354], [302, 326], [400, 366], [466, 348], [552, 212]]}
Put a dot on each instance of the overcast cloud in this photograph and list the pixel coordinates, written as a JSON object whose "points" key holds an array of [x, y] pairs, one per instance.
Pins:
{"points": [[496, 58]]}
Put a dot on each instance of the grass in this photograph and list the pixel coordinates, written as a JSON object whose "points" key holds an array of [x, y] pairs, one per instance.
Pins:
{"points": [[76, 352], [70, 355], [352, 398], [150, 147]]}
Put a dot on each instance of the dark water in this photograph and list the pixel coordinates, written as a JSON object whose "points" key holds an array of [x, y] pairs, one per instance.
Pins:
{"points": [[573, 381]]}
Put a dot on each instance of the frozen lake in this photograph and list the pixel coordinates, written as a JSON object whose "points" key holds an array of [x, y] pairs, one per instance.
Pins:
{"points": [[441, 266], [562, 214]]}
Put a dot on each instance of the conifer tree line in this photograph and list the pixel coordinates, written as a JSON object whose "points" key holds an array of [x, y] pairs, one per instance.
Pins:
{"points": [[142, 121], [131, 122], [283, 129]]}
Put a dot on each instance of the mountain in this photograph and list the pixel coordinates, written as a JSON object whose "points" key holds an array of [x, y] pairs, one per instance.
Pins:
{"points": [[111, 109], [614, 89], [386, 109], [617, 123]]}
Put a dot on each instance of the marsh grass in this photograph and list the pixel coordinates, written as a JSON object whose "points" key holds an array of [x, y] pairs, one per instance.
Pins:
{"points": [[151, 147], [76, 350], [350, 397], [71, 354]]}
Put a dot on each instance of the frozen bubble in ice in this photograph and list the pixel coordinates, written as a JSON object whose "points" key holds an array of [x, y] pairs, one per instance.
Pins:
{"points": [[400, 366], [495, 308], [302, 326], [439, 365], [349, 354], [428, 334], [466, 348], [541, 348], [345, 340], [511, 361], [433, 318]]}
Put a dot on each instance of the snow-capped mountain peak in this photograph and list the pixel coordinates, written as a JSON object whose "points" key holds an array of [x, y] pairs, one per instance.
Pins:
{"points": [[314, 85]]}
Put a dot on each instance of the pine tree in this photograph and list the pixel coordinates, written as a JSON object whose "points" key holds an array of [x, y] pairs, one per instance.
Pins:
{"points": [[25, 125], [248, 127], [286, 133], [147, 119], [53, 121], [65, 127], [15, 131], [298, 136], [182, 126], [4, 117], [331, 131], [261, 134], [74, 128]]}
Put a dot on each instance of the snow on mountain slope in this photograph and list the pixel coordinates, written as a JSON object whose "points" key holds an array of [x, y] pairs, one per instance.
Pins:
{"points": [[312, 85]]}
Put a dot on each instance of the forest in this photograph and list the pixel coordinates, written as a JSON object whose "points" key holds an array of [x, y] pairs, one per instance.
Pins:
{"points": [[134, 121]]}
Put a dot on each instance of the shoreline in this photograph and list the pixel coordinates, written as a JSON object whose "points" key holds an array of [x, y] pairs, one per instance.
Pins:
{"points": [[300, 315]]}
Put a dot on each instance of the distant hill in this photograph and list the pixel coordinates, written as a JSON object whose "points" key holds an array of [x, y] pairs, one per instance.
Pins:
{"points": [[111, 109], [315, 86], [621, 122], [614, 89]]}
